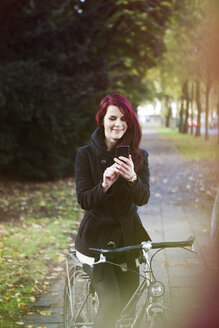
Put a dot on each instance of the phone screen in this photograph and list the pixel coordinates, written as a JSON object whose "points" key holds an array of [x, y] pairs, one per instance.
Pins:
{"points": [[122, 151]]}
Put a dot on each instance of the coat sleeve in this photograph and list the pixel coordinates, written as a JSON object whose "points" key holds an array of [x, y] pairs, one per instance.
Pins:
{"points": [[89, 195], [140, 191]]}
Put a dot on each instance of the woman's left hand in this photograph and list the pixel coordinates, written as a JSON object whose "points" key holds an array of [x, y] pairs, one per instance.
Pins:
{"points": [[125, 167]]}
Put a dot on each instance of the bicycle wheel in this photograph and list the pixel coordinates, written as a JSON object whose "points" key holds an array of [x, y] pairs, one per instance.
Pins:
{"points": [[158, 321], [80, 300], [155, 321]]}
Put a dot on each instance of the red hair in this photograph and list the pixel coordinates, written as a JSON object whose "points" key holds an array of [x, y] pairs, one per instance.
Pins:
{"points": [[132, 136]]}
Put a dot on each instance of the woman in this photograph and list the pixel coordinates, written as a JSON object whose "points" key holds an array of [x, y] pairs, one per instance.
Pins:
{"points": [[109, 189]]}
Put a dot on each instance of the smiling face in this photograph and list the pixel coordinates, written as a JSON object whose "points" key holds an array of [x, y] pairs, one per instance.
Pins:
{"points": [[115, 126]]}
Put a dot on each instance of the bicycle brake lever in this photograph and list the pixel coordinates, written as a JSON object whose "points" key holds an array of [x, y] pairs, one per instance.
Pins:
{"points": [[146, 245], [192, 250], [101, 260]]}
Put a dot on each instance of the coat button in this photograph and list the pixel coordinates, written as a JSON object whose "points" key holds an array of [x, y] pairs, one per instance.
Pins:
{"points": [[103, 162]]}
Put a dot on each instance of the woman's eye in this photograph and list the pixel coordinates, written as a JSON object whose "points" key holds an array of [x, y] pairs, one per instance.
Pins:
{"points": [[115, 118]]}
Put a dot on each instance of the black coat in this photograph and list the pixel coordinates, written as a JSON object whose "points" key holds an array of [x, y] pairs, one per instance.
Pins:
{"points": [[110, 216]]}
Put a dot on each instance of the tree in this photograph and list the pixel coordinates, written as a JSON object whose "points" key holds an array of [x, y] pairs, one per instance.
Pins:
{"points": [[58, 59]]}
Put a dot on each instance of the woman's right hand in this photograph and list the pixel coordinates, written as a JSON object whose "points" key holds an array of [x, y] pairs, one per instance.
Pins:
{"points": [[110, 176]]}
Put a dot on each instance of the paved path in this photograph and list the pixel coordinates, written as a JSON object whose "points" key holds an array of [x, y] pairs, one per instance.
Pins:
{"points": [[175, 212]]}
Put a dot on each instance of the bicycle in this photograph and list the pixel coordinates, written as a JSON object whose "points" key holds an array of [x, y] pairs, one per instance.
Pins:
{"points": [[146, 304]]}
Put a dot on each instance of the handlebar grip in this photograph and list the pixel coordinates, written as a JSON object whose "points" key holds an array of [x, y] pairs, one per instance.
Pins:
{"points": [[169, 244]]}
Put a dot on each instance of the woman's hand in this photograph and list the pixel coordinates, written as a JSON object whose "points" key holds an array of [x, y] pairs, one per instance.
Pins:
{"points": [[125, 167], [110, 176]]}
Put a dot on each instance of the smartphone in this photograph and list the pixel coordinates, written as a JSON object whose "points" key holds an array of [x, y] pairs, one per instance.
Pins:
{"points": [[122, 151]]}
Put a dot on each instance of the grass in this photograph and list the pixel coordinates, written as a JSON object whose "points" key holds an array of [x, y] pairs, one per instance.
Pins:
{"points": [[38, 228], [190, 146]]}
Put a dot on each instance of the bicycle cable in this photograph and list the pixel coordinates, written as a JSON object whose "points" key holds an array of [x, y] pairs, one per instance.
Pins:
{"points": [[151, 259], [136, 272]]}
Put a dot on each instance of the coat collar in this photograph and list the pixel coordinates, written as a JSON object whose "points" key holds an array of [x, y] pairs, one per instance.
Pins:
{"points": [[97, 141]]}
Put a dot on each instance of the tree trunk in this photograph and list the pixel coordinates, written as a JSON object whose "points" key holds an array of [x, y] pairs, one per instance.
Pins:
{"points": [[181, 117], [199, 108], [169, 111], [186, 97], [207, 91]]}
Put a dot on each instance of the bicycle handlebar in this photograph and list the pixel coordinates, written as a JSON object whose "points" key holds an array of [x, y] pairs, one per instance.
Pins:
{"points": [[147, 245]]}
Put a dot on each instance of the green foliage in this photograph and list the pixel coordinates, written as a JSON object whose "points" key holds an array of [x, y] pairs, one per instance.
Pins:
{"points": [[58, 59]]}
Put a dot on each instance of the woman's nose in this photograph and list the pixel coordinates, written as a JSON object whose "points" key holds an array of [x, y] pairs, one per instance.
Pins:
{"points": [[118, 122]]}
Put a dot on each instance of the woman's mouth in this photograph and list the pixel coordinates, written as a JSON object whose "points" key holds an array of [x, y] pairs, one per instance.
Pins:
{"points": [[117, 130]]}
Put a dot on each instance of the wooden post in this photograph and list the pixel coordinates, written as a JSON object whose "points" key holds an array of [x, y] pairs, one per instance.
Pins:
{"points": [[215, 220]]}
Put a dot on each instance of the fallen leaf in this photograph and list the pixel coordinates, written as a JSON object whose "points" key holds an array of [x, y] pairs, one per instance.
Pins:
{"points": [[58, 269], [20, 323], [7, 297], [9, 285], [3, 231], [55, 294], [45, 312], [61, 258], [36, 226]]}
